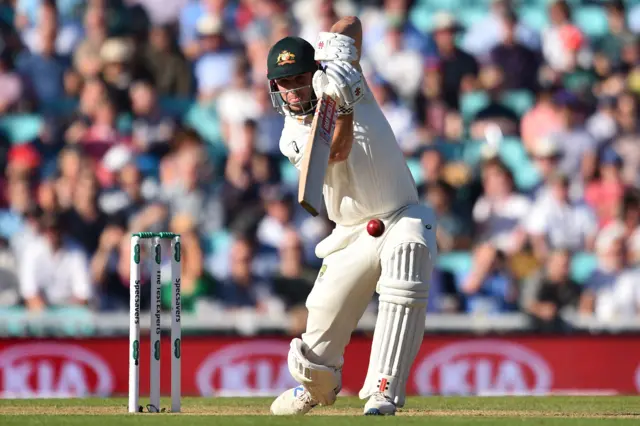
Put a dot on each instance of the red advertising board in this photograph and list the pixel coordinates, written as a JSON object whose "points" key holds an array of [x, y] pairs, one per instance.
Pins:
{"points": [[448, 365]]}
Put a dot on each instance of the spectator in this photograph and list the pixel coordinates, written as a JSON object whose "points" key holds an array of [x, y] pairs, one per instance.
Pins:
{"points": [[238, 103], [12, 219], [56, 272], [453, 231], [561, 40], [87, 58], [556, 222], [602, 124], [605, 193], [183, 185], [118, 71], [518, 63], [611, 291], [546, 156], [399, 116], [399, 66], [432, 164], [628, 223], [278, 205], [12, 91], [496, 292], [551, 291], [194, 283], [103, 132], [171, 72], [459, 69], [152, 128], [612, 43], [44, 70], [295, 279], [496, 113], [84, 219], [484, 34], [542, 120], [214, 66], [576, 144], [67, 35], [500, 211], [243, 289]]}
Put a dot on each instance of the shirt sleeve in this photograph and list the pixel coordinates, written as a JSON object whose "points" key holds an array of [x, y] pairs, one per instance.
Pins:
{"points": [[536, 222], [27, 272], [81, 281]]}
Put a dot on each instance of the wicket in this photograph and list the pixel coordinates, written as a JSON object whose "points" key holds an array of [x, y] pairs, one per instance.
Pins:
{"points": [[155, 329]]}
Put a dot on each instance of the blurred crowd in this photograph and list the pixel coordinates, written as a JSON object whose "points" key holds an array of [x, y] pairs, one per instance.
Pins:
{"points": [[518, 121]]}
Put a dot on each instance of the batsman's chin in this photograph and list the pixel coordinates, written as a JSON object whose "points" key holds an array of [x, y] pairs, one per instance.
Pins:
{"points": [[293, 402]]}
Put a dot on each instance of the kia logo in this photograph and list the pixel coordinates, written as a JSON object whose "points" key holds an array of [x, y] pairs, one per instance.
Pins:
{"points": [[483, 367], [53, 370], [249, 368]]}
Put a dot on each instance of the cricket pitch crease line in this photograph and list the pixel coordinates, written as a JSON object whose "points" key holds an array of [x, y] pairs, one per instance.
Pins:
{"points": [[113, 411]]}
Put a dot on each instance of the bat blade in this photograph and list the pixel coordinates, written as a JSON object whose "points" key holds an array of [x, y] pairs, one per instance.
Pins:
{"points": [[316, 155]]}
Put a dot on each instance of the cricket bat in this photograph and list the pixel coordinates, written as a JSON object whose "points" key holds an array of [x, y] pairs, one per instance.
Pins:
{"points": [[316, 156]]}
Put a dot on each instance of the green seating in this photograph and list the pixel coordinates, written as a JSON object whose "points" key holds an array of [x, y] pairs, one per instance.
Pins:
{"points": [[534, 17], [205, 121], [592, 20], [176, 107], [416, 170], [520, 101], [582, 266], [471, 103], [457, 263], [21, 128], [288, 173]]}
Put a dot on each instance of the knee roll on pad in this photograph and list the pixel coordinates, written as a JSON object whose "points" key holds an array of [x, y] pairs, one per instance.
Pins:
{"points": [[323, 383], [403, 288], [405, 275]]}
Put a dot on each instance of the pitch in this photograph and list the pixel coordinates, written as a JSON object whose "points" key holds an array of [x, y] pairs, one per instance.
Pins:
{"points": [[434, 411]]}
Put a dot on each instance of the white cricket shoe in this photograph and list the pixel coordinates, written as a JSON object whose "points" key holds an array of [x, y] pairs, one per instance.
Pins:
{"points": [[379, 405], [294, 402]]}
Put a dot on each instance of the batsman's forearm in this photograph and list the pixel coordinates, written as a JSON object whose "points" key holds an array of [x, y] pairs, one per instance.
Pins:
{"points": [[342, 139], [351, 27]]}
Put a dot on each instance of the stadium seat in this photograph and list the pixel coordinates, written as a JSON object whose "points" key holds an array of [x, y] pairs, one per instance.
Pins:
{"points": [[220, 241], [471, 103], [289, 173], [457, 263], [21, 128], [64, 107], [520, 101], [416, 170], [592, 20], [472, 152], [421, 17], [176, 107], [468, 16], [582, 266], [534, 16], [204, 120]]}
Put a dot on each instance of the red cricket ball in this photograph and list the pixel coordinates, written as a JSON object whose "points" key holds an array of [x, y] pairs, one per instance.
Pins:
{"points": [[375, 227]]}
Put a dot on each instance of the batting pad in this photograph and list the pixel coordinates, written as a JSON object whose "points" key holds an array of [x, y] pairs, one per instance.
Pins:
{"points": [[323, 383], [403, 289]]}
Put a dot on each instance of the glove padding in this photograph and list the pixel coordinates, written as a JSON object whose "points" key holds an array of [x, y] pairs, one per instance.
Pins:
{"points": [[335, 47], [348, 82]]}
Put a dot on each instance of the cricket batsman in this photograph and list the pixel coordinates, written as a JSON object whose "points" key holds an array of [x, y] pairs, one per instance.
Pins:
{"points": [[383, 241]]}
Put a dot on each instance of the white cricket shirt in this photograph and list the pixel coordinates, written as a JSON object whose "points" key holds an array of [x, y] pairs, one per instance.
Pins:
{"points": [[373, 181]]}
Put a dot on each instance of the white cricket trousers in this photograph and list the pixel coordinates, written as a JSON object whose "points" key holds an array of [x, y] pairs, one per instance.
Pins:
{"points": [[350, 274]]}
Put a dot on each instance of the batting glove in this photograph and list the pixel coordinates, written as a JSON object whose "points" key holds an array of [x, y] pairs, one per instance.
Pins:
{"points": [[321, 84], [335, 47], [348, 82]]}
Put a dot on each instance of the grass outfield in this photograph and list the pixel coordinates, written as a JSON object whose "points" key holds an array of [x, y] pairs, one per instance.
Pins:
{"points": [[432, 411]]}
